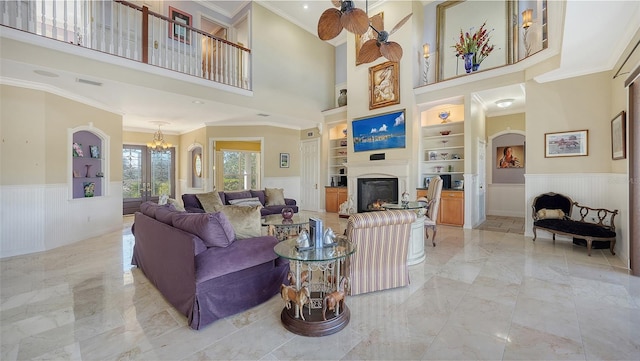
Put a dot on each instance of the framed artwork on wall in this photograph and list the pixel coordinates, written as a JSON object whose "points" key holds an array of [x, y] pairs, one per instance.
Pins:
{"points": [[95, 151], [511, 156], [384, 89], [566, 144], [284, 160], [619, 136], [177, 29], [377, 21]]}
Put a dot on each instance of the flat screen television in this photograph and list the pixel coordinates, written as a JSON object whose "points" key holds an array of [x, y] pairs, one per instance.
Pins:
{"points": [[382, 131]]}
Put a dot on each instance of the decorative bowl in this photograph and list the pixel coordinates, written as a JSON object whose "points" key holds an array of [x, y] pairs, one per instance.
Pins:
{"points": [[445, 132], [444, 115]]}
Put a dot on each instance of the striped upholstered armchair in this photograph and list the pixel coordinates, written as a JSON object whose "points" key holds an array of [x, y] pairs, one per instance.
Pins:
{"points": [[382, 241]]}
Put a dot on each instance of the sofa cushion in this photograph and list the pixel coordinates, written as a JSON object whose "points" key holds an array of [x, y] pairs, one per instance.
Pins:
{"points": [[550, 214], [213, 228], [245, 220], [246, 202], [241, 255], [149, 209], [274, 196], [232, 196], [211, 201], [260, 194], [165, 214]]}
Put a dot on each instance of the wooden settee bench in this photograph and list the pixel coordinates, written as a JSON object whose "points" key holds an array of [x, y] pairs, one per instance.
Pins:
{"points": [[552, 213]]}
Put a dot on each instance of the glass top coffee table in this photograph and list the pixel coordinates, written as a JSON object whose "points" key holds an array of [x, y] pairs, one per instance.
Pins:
{"points": [[320, 273], [282, 228]]}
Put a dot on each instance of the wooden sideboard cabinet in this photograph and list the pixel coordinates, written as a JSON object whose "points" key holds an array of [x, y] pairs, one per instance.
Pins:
{"points": [[334, 197], [451, 208], [451, 211]]}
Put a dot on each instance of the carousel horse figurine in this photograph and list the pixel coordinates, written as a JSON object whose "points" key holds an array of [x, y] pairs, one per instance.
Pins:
{"points": [[304, 277], [334, 298], [300, 298]]}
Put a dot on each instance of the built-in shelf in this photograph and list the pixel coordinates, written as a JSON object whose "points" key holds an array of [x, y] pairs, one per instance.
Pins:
{"points": [[88, 162]]}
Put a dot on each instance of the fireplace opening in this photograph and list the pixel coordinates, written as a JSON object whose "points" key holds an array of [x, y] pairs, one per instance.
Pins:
{"points": [[373, 192]]}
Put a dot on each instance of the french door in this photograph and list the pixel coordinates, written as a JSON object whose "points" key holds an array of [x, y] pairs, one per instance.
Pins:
{"points": [[146, 176]]}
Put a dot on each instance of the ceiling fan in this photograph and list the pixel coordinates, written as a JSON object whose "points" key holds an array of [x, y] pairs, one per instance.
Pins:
{"points": [[381, 46], [333, 20]]}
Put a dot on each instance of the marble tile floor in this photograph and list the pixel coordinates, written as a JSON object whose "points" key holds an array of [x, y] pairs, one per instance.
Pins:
{"points": [[480, 295]]}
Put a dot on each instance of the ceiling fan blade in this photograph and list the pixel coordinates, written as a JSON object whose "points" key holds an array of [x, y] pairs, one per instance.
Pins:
{"points": [[355, 21], [336, 3], [390, 50], [369, 52], [399, 24], [329, 24]]}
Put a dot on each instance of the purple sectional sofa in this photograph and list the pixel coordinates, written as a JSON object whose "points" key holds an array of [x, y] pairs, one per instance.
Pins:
{"points": [[199, 266], [193, 205]]}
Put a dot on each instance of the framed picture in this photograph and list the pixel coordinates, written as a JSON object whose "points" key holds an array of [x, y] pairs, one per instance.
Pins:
{"points": [[284, 160], [619, 136], [178, 29], [89, 188], [383, 85], [382, 131], [378, 22], [566, 144], [510, 156], [95, 151], [77, 150]]}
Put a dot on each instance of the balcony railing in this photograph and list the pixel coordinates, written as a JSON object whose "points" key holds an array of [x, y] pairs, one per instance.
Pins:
{"points": [[133, 32]]}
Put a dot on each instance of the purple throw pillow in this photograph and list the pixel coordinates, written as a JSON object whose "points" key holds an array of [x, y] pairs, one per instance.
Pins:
{"points": [[213, 228], [149, 209], [165, 213], [259, 194]]}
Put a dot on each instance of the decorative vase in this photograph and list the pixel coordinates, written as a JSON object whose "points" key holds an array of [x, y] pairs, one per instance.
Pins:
{"points": [[342, 99], [475, 67], [88, 167], [287, 213], [468, 62]]}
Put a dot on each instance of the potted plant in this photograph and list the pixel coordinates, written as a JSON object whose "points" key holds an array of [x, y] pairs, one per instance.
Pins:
{"points": [[474, 47]]}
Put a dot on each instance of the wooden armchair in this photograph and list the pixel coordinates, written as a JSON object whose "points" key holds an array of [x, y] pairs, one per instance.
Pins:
{"points": [[382, 244], [433, 201]]}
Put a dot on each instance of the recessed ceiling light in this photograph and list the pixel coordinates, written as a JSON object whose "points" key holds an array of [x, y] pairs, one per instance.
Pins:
{"points": [[197, 102], [90, 82], [504, 103], [46, 73], [305, 6]]}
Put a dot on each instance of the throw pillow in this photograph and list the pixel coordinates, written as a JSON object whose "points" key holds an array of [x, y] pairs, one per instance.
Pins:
{"points": [[274, 196], [245, 220], [213, 228], [149, 209], [176, 204], [550, 214], [246, 202], [211, 201], [165, 214]]}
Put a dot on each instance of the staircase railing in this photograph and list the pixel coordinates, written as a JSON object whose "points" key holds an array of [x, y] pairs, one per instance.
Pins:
{"points": [[127, 30]]}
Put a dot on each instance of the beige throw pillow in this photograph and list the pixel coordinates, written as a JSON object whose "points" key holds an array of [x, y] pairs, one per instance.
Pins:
{"points": [[550, 214], [274, 196], [245, 220], [177, 204], [211, 201]]}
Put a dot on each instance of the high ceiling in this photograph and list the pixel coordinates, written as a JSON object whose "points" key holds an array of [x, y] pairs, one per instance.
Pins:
{"points": [[594, 36]]}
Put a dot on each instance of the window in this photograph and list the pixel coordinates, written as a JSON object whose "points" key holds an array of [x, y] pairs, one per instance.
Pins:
{"points": [[241, 169]]}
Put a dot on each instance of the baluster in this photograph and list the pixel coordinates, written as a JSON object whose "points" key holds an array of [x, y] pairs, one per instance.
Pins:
{"points": [[65, 22], [103, 32], [54, 15], [112, 38], [19, 15], [5, 13], [127, 36], [43, 24]]}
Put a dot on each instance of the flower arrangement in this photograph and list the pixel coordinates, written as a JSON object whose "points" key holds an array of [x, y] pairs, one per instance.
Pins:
{"points": [[476, 43]]}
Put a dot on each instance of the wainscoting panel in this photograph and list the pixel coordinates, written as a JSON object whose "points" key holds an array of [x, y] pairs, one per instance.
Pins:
{"points": [[37, 218], [598, 190], [291, 186], [506, 200]]}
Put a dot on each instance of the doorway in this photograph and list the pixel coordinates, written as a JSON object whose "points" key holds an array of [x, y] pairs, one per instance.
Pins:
{"points": [[146, 176], [310, 172]]}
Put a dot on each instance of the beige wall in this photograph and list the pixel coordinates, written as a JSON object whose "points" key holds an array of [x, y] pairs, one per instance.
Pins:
{"points": [[198, 136], [276, 141], [565, 105], [35, 127], [505, 122]]}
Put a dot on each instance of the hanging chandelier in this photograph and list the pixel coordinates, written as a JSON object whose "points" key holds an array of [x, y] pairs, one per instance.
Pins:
{"points": [[158, 144]]}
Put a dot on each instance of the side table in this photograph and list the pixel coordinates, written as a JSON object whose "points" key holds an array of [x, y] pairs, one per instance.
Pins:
{"points": [[320, 270]]}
